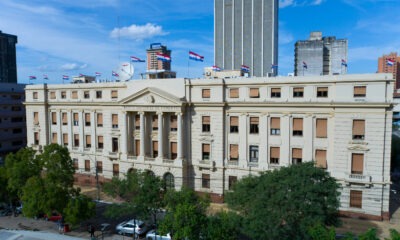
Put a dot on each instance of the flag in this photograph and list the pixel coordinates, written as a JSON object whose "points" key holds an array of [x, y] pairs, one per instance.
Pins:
{"points": [[135, 59], [274, 66], [45, 77], [65, 77], [344, 63], [195, 56], [305, 65], [245, 68], [32, 77], [216, 68], [97, 74], [163, 57], [81, 75], [389, 62], [115, 74]]}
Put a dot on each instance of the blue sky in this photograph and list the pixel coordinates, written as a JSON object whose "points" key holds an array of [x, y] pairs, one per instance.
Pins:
{"points": [[58, 37]]}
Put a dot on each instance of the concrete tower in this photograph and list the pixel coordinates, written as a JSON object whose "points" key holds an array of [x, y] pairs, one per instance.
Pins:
{"points": [[8, 58]]}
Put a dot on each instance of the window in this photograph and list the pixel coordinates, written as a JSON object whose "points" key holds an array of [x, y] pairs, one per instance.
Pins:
{"points": [[99, 120], [36, 138], [205, 180], [16, 97], [298, 92], [360, 91], [297, 155], [355, 199], [114, 94], [87, 119], [17, 130], [254, 125], [174, 151], [87, 165], [16, 108], [358, 129], [64, 118], [76, 163], [54, 118], [76, 119], [16, 119], [99, 166], [206, 123], [205, 93], [35, 95], [63, 94], [114, 120], [65, 139], [52, 95], [274, 155], [99, 94], [155, 122], [35, 118], [115, 170], [320, 158], [254, 93], [88, 141], [322, 92], [206, 152], [169, 181], [234, 92], [137, 122], [233, 152], [137, 147], [322, 129], [253, 153], [174, 123], [86, 94], [54, 138], [74, 95], [100, 144], [275, 92], [231, 182], [76, 140], [155, 149], [234, 124], [275, 126], [114, 142], [297, 127], [357, 163]]}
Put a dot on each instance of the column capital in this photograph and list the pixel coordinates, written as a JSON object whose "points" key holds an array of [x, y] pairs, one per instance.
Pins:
{"points": [[179, 113], [159, 113], [141, 112]]}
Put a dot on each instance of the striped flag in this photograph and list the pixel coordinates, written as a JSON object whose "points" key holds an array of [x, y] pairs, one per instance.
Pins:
{"points": [[305, 65], [196, 57], [163, 57], [97, 74], [389, 62], [135, 59], [245, 68], [216, 68], [344, 63], [32, 77], [115, 74], [65, 77], [45, 77]]}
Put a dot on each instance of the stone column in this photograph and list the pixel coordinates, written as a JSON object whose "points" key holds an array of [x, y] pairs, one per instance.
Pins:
{"points": [[82, 138], [179, 137], [123, 128], [160, 135], [142, 131], [70, 129], [59, 122], [93, 129]]}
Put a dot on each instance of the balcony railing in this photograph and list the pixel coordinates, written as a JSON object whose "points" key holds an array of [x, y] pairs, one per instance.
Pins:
{"points": [[358, 178]]}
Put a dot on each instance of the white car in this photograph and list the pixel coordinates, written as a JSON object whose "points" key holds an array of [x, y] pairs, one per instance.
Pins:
{"points": [[151, 235], [128, 227]]}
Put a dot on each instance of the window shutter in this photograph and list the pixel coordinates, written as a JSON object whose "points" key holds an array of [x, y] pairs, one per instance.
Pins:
{"points": [[174, 147], [320, 158], [357, 163], [254, 120], [275, 152], [100, 139], [87, 117], [298, 90], [206, 148], [99, 119], [52, 95], [174, 122], [234, 92], [76, 117], [358, 127], [360, 90], [234, 121], [297, 153], [54, 117], [114, 94], [137, 121], [322, 128], [65, 138], [275, 90], [254, 92], [88, 139], [116, 168], [115, 119], [137, 146], [234, 151], [35, 117], [64, 117], [74, 94], [206, 119], [206, 93], [155, 121], [297, 124], [54, 139], [155, 145], [275, 123], [87, 165], [355, 198]]}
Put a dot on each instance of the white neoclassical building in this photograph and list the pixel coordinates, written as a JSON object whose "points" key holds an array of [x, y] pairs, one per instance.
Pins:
{"points": [[207, 133]]}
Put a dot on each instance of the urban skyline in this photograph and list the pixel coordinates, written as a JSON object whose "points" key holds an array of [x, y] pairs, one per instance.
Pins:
{"points": [[57, 38]]}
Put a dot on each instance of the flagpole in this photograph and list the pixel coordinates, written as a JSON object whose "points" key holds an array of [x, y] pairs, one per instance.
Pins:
{"points": [[188, 68]]}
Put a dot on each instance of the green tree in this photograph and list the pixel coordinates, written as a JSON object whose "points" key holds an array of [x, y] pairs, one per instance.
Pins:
{"points": [[320, 232], [78, 208], [285, 203], [34, 197], [4, 193], [394, 235], [223, 226], [186, 215]]}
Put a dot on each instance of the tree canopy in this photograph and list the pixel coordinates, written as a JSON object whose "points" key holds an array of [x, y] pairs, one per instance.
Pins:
{"points": [[285, 203]]}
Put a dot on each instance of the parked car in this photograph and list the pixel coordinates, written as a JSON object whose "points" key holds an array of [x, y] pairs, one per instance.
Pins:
{"points": [[151, 235], [127, 227], [54, 217]]}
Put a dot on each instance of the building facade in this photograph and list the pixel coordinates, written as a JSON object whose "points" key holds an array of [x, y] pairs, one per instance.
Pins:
{"points": [[246, 33], [8, 58], [12, 118], [207, 134], [155, 67], [320, 56], [390, 63]]}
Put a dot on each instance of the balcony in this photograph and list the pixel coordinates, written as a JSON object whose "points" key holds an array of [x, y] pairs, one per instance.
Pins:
{"points": [[357, 178]]}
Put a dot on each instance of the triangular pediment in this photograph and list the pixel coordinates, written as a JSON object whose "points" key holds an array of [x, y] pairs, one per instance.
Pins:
{"points": [[152, 96]]}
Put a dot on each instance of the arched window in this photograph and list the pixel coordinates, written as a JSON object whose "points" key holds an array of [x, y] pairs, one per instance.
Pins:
{"points": [[149, 172], [169, 181]]}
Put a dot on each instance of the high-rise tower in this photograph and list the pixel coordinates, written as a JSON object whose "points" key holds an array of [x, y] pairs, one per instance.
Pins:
{"points": [[8, 58], [246, 33], [157, 68], [390, 64]]}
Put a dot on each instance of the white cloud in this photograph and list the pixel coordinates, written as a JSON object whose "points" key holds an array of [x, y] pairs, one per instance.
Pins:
{"points": [[138, 32], [294, 3], [73, 66]]}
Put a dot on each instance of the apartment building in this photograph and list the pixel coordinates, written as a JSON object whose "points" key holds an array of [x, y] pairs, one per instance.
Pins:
{"points": [[208, 133]]}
